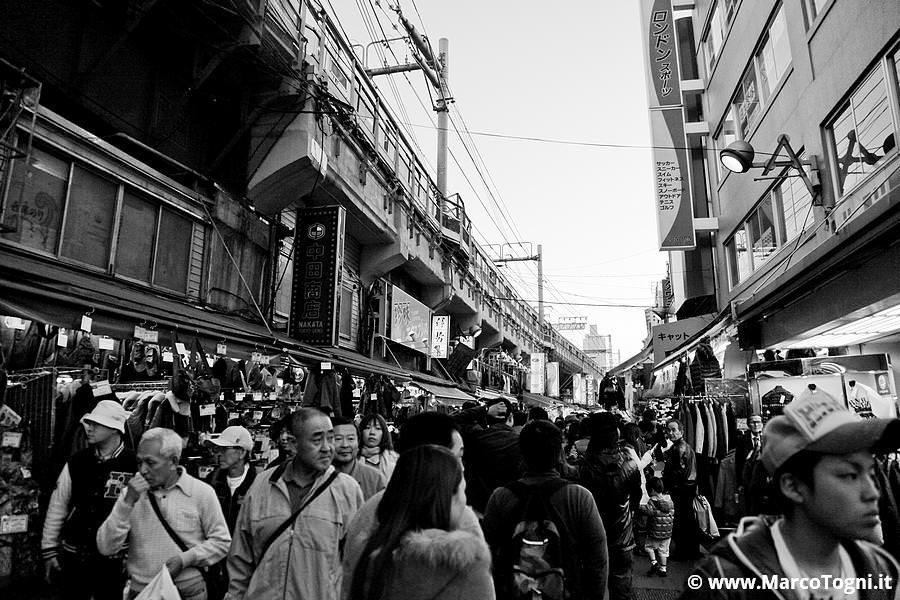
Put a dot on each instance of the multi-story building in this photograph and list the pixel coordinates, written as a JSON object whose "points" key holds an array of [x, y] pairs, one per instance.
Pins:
{"points": [[804, 251], [164, 176]]}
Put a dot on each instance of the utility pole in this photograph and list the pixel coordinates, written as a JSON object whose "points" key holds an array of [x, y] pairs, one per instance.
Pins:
{"points": [[539, 258], [443, 115]]}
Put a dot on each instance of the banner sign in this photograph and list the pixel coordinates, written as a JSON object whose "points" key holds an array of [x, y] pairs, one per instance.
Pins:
{"points": [[538, 375], [671, 336], [440, 335], [578, 391], [410, 322], [318, 268], [553, 379], [674, 207]]}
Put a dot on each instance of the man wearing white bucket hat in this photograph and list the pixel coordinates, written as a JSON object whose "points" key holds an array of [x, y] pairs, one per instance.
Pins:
{"points": [[827, 543], [85, 493]]}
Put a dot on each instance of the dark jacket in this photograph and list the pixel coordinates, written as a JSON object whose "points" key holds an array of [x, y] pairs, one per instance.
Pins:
{"points": [[681, 467], [750, 552], [614, 478], [578, 516], [661, 516], [231, 504], [492, 457]]}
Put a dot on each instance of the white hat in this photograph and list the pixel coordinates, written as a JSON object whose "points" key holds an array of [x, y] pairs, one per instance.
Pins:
{"points": [[108, 413], [234, 435]]}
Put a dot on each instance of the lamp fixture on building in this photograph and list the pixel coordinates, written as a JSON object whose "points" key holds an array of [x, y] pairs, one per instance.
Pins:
{"points": [[738, 158]]}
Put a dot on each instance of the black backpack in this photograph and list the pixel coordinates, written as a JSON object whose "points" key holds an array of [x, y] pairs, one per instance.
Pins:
{"points": [[535, 558]]}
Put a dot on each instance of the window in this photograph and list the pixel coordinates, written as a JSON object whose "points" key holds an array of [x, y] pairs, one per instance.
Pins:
{"points": [[137, 236], [726, 136], [64, 209], [761, 230], [365, 111], [712, 43], [814, 9], [795, 202], [35, 202], [89, 219], [863, 131], [345, 322], [763, 74], [739, 265]]}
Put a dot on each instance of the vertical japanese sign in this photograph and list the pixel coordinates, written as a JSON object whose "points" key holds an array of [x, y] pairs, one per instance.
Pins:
{"points": [[578, 392], [318, 266], [440, 335], [674, 208], [553, 379], [537, 382]]}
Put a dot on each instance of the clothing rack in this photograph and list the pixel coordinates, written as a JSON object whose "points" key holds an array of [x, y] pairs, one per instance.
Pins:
{"points": [[141, 386]]}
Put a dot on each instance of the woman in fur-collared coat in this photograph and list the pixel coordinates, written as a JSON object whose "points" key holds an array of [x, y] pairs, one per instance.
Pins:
{"points": [[417, 552]]}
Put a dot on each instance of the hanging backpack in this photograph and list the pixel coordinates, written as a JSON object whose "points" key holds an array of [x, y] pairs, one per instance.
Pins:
{"points": [[533, 561]]}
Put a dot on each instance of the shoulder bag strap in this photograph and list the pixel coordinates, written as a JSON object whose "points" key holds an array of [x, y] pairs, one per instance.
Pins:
{"points": [[175, 538], [287, 522]]}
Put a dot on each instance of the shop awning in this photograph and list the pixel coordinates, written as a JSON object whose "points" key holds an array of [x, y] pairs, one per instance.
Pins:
{"points": [[485, 394], [443, 392], [363, 365], [539, 400]]}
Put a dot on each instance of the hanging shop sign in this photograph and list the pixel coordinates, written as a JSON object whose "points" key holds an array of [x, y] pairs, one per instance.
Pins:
{"points": [[440, 336], [553, 379], [318, 268], [410, 322], [671, 336], [578, 391], [674, 208], [538, 373]]}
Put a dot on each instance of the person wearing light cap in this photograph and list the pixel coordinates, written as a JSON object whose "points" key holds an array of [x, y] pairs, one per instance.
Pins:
{"points": [[234, 475], [85, 493], [820, 456]]}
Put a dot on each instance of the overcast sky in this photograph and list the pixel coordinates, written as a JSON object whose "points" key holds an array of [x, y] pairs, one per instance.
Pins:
{"points": [[569, 71]]}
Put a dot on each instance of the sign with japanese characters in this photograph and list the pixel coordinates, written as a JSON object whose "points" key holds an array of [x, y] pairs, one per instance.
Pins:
{"points": [[578, 392], [668, 337], [440, 335], [553, 379], [674, 208], [538, 373], [410, 322], [318, 268]]}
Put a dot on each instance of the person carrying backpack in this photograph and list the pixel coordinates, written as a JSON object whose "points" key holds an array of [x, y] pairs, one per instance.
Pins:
{"points": [[545, 533]]}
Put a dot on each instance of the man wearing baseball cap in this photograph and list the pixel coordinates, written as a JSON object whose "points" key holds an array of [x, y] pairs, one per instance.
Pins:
{"points": [[823, 474], [234, 475], [85, 493]]}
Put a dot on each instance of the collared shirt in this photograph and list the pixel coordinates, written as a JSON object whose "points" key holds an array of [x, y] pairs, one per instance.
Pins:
{"points": [[191, 509], [297, 489], [370, 480]]}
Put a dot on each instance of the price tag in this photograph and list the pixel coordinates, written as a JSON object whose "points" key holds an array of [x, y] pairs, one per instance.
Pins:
{"points": [[373, 397], [273, 454], [221, 349], [86, 323], [222, 397], [13, 524], [257, 397], [62, 339], [210, 361], [11, 439], [232, 416], [181, 349], [204, 471], [139, 332], [168, 357], [151, 336], [326, 366], [257, 415], [15, 323], [256, 357], [106, 343], [9, 417], [102, 388], [207, 410], [26, 472]]}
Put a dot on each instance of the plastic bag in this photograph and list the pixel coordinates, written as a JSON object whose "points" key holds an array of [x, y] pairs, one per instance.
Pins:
{"points": [[160, 587], [703, 516]]}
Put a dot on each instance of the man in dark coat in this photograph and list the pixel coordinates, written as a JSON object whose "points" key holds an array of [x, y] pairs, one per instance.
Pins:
{"points": [[680, 479], [613, 477]]}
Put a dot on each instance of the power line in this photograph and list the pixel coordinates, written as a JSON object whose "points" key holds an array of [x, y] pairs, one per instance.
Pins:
{"points": [[641, 306]]}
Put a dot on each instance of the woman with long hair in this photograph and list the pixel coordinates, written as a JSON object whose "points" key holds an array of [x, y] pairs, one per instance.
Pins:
{"points": [[417, 552], [376, 447]]}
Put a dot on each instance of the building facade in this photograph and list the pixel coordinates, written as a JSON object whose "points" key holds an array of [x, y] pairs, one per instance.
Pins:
{"points": [[161, 161]]}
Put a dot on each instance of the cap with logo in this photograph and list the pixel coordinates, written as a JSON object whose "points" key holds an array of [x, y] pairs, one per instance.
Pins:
{"points": [[817, 421], [234, 436]]}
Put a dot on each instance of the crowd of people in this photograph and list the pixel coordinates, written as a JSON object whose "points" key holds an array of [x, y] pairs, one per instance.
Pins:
{"points": [[489, 502]]}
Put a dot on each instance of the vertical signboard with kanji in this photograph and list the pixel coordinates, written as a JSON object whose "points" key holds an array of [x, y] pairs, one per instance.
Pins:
{"points": [[674, 208], [318, 266], [537, 380], [553, 379], [578, 392], [440, 335]]}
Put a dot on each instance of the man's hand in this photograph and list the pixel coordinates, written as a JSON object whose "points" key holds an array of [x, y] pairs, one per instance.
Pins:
{"points": [[175, 565], [51, 567], [137, 485]]}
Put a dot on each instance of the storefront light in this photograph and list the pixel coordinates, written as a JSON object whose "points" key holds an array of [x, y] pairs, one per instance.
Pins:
{"points": [[855, 332]]}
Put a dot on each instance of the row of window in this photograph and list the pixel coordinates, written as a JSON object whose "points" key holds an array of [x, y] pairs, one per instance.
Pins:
{"points": [[65, 209]]}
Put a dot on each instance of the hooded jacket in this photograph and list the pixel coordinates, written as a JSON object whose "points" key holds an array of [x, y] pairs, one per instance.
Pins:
{"points": [[750, 552], [433, 564]]}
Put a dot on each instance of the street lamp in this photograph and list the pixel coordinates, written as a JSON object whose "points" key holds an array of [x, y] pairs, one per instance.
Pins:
{"points": [[738, 158]]}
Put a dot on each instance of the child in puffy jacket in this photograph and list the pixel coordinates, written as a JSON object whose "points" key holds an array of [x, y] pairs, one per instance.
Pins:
{"points": [[660, 511]]}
